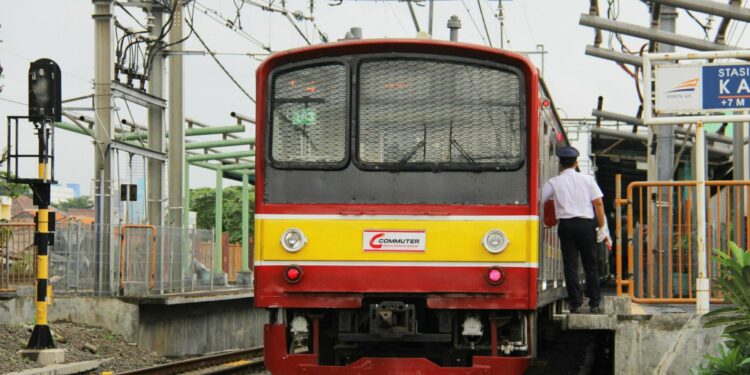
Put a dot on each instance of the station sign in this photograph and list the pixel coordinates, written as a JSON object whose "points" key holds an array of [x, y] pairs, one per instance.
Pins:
{"points": [[699, 88]]}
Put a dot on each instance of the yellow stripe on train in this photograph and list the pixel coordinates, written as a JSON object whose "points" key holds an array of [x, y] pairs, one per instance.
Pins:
{"points": [[446, 240]]}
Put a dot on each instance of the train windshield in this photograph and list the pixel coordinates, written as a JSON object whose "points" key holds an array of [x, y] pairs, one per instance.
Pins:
{"points": [[423, 114], [308, 121]]}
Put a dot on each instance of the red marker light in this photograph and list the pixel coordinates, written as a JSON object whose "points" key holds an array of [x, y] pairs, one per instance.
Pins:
{"points": [[495, 276], [293, 274], [545, 103]]}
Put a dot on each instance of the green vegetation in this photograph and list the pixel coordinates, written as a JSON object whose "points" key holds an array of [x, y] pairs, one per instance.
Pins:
{"points": [[203, 200], [84, 201], [734, 353]]}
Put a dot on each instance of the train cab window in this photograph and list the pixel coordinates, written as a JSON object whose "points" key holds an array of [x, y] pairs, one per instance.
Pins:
{"points": [[432, 114], [309, 117]]}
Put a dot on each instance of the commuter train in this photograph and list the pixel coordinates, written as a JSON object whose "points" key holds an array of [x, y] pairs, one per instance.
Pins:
{"points": [[397, 218]]}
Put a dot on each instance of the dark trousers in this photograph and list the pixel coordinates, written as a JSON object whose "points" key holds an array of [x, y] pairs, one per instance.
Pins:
{"points": [[578, 236]]}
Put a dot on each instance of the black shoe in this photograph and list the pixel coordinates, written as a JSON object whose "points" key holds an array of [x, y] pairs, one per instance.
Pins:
{"points": [[596, 310], [575, 309]]}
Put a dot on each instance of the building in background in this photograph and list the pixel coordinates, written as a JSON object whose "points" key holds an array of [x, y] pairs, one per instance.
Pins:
{"points": [[61, 193], [76, 189]]}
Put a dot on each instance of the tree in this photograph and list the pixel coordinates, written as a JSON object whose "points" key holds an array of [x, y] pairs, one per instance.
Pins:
{"points": [[202, 201], [7, 188], [84, 202]]}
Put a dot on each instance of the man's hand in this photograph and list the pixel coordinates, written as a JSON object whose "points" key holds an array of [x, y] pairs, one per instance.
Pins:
{"points": [[602, 234]]}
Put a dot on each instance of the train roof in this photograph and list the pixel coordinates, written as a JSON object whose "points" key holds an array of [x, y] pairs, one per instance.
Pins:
{"points": [[368, 46]]}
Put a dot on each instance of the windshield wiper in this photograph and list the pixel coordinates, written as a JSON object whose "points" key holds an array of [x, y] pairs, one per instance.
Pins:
{"points": [[463, 152], [411, 153]]}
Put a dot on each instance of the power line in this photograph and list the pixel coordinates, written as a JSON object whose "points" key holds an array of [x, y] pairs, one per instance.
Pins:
{"points": [[471, 17], [484, 22], [214, 14], [13, 101], [208, 50]]}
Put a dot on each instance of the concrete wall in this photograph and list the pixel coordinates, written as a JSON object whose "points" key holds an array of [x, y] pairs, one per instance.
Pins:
{"points": [[198, 328], [665, 344], [170, 330], [110, 313]]}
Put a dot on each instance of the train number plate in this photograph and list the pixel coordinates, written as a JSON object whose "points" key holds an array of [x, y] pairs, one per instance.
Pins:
{"points": [[394, 240]]}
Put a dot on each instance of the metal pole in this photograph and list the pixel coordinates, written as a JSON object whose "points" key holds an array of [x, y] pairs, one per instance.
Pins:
{"points": [[664, 163], [176, 129], [738, 173], [218, 208], [103, 130], [155, 187], [432, 8], [245, 223], [186, 220], [702, 282]]}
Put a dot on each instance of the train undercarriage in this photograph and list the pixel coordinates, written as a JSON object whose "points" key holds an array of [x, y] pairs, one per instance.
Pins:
{"points": [[399, 334]]}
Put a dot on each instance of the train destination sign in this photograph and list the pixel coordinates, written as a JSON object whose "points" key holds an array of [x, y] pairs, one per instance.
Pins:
{"points": [[700, 88]]}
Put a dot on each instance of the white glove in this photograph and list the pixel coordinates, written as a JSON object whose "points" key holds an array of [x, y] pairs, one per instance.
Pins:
{"points": [[602, 233]]}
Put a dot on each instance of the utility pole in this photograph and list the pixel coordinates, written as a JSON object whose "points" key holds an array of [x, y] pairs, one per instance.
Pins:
{"points": [[664, 162], [155, 189], [176, 130], [103, 133]]}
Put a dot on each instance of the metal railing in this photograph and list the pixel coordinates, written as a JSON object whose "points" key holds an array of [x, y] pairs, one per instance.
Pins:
{"points": [[17, 255], [130, 260], [662, 258]]}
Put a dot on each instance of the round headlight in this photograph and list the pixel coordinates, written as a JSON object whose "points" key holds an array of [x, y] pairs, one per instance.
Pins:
{"points": [[495, 241], [293, 240]]}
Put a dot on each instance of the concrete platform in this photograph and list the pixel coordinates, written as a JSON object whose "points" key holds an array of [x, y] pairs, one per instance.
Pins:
{"points": [[63, 369], [44, 357], [173, 325], [658, 339]]}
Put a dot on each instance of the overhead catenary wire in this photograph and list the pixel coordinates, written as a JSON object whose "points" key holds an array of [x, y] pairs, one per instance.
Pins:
{"points": [[471, 17], [484, 22], [219, 18], [287, 14], [208, 50]]}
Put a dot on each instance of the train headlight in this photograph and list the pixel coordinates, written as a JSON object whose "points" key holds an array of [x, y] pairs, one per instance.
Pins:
{"points": [[293, 240], [495, 241]]}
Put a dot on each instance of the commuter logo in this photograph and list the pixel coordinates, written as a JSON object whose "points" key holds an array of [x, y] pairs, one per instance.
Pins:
{"points": [[394, 240]]}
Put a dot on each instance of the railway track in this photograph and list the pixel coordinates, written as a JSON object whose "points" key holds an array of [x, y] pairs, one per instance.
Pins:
{"points": [[222, 363]]}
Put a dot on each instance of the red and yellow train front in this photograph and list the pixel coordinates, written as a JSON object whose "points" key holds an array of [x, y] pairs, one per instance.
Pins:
{"points": [[396, 222]]}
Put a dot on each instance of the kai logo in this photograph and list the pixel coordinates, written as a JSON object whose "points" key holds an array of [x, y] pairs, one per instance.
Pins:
{"points": [[687, 86]]}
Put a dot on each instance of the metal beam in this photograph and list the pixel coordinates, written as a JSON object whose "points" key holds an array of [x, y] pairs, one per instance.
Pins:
{"points": [[242, 117], [138, 150], [132, 95], [226, 155], [614, 56], [221, 143], [617, 117], [188, 132], [650, 34], [710, 7]]}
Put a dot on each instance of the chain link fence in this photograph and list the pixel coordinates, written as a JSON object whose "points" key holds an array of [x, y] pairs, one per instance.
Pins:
{"points": [[117, 260]]}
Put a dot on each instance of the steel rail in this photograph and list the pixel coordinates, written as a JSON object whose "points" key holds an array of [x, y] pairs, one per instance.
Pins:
{"points": [[224, 362]]}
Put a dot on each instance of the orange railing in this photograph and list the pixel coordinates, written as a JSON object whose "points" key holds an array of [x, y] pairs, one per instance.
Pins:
{"points": [[17, 255], [662, 237]]}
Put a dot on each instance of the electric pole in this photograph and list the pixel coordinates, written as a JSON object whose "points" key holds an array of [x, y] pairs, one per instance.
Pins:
{"points": [[176, 130]]}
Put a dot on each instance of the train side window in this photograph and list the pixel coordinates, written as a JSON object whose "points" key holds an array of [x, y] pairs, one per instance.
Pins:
{"points": [[309, 117]]}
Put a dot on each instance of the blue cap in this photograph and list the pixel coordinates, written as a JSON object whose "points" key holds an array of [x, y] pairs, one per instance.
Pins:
{"points": [[567, 153]]}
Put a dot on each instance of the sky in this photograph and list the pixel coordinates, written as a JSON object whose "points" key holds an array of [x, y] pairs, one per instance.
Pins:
{"points": [[63, 31]]}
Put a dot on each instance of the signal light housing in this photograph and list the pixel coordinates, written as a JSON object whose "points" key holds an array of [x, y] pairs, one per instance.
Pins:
{"points": [[293, 274], [495, 276]]}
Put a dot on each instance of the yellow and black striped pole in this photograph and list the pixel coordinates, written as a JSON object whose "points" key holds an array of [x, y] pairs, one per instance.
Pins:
{"points": [[41, 336]]}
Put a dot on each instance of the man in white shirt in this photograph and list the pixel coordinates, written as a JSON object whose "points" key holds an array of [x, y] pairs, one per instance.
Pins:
{"points": [[578, 200]]}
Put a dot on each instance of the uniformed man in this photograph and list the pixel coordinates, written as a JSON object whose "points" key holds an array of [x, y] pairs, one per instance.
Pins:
{"points": [[578, 201]]}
